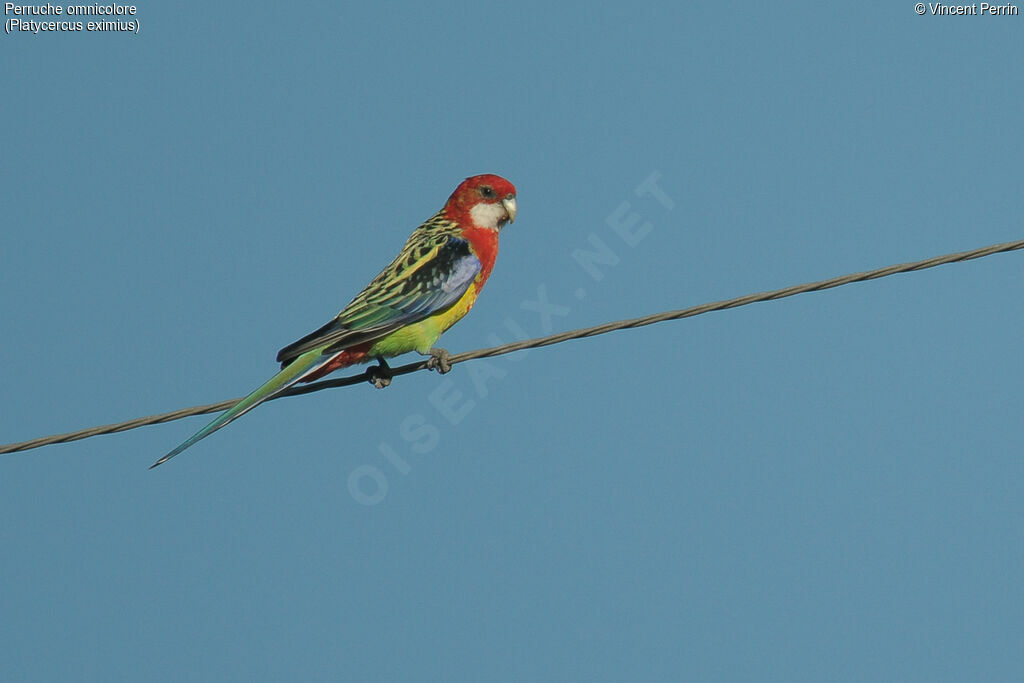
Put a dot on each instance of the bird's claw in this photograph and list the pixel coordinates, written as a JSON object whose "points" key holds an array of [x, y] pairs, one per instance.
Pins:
{"points": [[439, 360], [379, 375]]}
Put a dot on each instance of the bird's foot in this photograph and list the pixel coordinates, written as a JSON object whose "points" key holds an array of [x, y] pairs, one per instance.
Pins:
{"points": [[439, 360], [379, 375]]}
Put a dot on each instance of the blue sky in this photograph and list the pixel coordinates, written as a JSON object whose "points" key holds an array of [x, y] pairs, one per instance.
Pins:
{"points": [[827, 487]]}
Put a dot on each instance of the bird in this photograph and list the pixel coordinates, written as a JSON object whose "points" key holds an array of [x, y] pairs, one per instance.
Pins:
{"points": [[432, 283]]}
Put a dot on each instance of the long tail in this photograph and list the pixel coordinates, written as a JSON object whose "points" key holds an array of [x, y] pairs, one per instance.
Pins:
{"points": [[304, 365]]}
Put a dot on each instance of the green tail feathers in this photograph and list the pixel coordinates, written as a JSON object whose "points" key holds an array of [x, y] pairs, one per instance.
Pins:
{"points": [[302, 365]]}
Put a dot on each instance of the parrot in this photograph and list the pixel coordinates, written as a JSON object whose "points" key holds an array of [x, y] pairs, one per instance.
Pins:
{"points": [[432, 283]]}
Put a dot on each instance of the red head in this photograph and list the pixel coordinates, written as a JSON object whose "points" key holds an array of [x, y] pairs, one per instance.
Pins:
{"points": [[483, 201]]}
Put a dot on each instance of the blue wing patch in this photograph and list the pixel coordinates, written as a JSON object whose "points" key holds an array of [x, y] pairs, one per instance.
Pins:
{"points": [[389, 303]]}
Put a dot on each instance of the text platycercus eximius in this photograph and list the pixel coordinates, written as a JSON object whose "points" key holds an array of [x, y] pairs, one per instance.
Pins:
{"points": [[429, 286]]}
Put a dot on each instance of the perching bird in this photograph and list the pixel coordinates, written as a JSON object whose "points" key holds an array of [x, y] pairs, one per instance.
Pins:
{"points": [[429, 286]]}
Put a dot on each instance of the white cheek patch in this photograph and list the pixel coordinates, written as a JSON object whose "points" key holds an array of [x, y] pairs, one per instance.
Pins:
{"points": [[487, 215]]}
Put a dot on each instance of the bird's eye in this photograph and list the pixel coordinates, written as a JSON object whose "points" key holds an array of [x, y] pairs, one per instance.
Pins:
{"points": [[488, 192]]}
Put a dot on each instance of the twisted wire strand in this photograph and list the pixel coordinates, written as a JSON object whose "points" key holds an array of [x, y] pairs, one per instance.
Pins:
{"points": [[558, 338]]}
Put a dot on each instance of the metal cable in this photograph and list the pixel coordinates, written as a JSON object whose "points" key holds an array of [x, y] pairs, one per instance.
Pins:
{"points": [[538, 342]]}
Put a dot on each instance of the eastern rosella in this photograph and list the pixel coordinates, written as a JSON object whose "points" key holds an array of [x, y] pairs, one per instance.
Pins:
{"points": [[429, 286]]}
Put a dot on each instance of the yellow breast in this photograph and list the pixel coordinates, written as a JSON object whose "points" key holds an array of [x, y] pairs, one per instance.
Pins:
{"points": [[422, 336]]}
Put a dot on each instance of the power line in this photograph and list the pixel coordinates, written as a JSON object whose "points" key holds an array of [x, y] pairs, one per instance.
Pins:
{"points": [[538, 342]]}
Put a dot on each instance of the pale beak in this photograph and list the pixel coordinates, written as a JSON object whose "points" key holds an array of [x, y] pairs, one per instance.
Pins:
{"points": [[510, 206]]}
